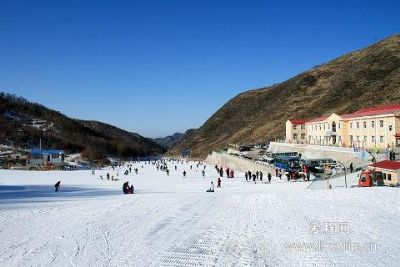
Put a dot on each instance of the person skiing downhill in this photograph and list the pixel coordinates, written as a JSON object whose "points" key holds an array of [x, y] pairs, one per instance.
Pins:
{"points": [[219, 182], [57, 186]]}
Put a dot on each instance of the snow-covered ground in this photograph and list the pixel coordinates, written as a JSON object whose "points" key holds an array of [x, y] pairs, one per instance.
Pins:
{"points": [[172, 221]]}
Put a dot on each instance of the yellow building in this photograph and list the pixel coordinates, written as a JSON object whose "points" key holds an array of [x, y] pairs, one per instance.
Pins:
{"points": [[296, 131], [377, 127]]}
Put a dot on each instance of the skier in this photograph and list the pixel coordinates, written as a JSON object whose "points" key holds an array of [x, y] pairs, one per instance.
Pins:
{"points": [[254, 178], [232, 174], [261, 176], [351, 167], [211, 188], [204, 173], [219, 182], [307, 173], [269, 177], [184, 174], [245, 175], [57, 186]]}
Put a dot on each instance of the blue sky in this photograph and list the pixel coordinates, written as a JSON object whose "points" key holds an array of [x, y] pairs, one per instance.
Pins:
{"points": [[159, 67]]}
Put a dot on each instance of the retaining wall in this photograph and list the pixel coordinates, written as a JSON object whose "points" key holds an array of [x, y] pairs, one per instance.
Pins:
{"points": [[236, 163]]}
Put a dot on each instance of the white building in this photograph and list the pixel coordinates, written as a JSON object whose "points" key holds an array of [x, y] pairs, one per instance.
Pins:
{"points": [[44, 157]]}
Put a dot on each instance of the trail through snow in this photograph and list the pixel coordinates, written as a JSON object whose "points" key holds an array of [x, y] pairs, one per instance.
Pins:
{"points": [[172, 221]]}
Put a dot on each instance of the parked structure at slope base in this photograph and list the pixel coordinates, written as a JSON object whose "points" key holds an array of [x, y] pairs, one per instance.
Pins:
{"points": [[43, 157]]}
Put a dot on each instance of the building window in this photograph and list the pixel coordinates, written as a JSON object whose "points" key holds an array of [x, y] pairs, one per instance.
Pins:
{"points": [[294, 127], [351, 139], [365, 124], [303, 136], [381, 139], [358, 138], [358, 125], [381, 123], [351, 125], [390, 128], [294, 136], [389, 177], [373, 139], [365, 139], [384, 176], [373, 124], [303, 127], [339, 125]]}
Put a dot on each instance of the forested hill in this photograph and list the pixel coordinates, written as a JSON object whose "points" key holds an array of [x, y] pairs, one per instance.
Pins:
{"points": [[24, 123]]}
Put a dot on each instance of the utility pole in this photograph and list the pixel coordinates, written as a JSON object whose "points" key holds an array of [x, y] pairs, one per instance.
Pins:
{"points": [[345, 172]]}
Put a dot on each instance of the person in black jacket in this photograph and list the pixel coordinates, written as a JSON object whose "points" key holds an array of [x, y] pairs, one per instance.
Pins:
{"points": [[57, 186]]}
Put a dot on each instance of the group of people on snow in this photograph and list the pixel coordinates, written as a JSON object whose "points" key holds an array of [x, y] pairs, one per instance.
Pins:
{"points": [[128, 189]]}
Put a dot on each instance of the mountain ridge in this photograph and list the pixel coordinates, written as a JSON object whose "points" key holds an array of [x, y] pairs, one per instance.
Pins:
{"points": [[169, 141], [362, 78], [23, 123]]}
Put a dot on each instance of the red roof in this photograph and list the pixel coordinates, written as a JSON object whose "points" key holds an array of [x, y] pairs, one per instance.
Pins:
{"points": [[298, 121], [387, 164], [388, 109]]}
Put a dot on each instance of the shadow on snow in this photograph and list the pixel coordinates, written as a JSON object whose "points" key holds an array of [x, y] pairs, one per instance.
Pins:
{"points": [[9, 193]]}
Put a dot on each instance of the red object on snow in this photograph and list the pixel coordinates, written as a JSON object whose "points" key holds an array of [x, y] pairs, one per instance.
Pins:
{"points": [[365, 179]]}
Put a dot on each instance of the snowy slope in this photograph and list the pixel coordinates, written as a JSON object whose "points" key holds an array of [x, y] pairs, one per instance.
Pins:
{"points": [[172, 221]]}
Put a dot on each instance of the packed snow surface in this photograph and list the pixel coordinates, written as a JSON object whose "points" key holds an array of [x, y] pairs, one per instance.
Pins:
{"points": [[173, 221]]}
